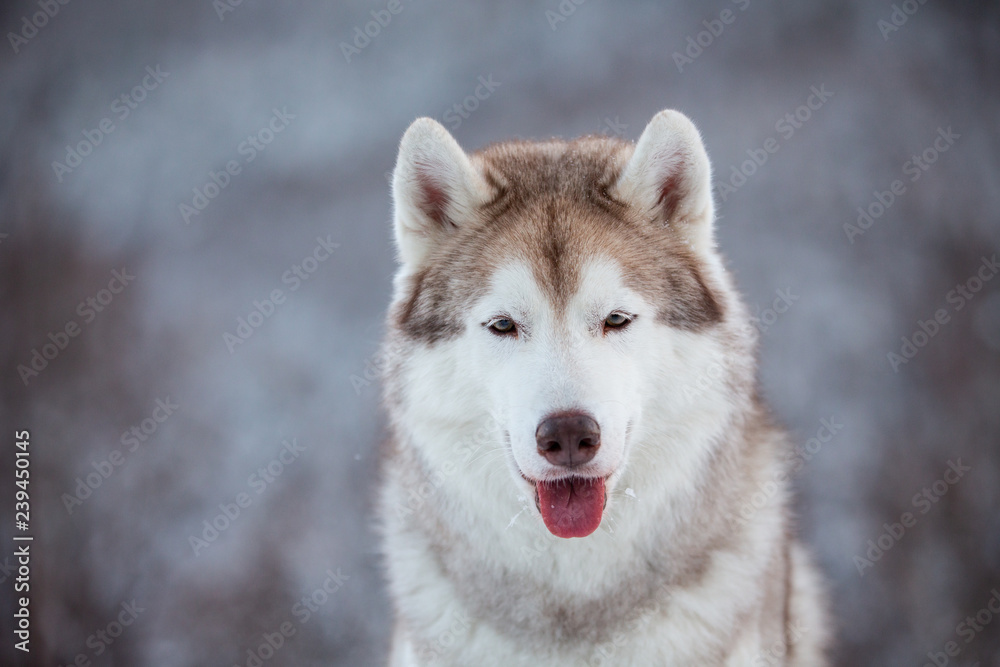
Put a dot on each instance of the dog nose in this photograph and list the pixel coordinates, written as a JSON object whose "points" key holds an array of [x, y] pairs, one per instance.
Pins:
{"points": [[568, 439]]}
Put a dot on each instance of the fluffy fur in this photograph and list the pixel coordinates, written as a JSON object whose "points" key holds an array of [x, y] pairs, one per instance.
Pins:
{"points": [[694, 562]]}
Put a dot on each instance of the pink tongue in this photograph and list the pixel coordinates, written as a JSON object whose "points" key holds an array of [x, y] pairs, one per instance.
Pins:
{"points": [[571, 507]]}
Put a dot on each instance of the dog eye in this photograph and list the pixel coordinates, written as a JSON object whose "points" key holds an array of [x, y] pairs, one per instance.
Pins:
{"points": [[616, 321], [502, 326]]}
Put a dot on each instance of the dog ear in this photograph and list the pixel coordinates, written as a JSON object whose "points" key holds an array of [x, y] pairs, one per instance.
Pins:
{"points": [[669, 175], [435, 189]]}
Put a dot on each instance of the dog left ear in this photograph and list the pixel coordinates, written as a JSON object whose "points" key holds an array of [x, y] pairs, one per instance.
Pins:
{"points": [[435, 188], [670, 176]]}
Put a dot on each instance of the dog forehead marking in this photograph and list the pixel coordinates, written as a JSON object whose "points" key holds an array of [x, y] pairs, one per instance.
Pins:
{"points": [[515, 287], [552, 209], [550, 200]]}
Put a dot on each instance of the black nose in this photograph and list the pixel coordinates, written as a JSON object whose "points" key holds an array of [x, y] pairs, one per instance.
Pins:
{"points": [[568, 439]]}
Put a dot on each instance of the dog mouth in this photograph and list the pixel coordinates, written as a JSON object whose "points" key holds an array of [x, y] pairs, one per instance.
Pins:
{"points": [[571, 506]]}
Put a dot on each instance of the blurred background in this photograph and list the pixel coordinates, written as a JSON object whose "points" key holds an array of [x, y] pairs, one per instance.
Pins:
{"points": [[203, 450]]}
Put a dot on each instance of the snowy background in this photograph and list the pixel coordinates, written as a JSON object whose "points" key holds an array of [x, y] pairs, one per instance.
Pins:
{"points": [[304, 374]]}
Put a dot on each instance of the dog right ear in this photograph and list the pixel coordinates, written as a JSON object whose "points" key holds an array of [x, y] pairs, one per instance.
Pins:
{"points": [[435, 189], [669, 177]]}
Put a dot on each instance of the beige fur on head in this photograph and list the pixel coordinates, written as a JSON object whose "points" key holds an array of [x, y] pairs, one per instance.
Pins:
{"points": [[669, 174], [435, 188]]}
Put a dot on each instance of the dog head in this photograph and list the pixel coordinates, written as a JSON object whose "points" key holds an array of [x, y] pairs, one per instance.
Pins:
{"points": [[552, 288]]}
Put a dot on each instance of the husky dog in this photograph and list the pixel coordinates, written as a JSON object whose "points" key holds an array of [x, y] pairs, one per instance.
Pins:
{"points": [[579, 469]]}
